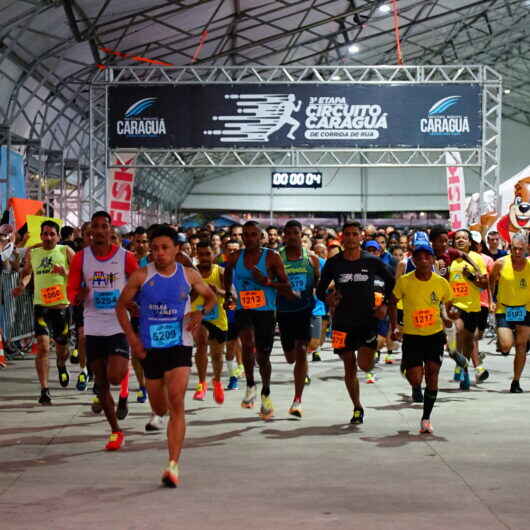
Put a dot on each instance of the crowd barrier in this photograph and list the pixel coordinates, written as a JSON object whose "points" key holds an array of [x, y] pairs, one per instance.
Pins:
{"points": [[16, 314]]}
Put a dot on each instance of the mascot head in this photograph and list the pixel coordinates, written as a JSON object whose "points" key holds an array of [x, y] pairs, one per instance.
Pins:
{"points": [[519, 212]]}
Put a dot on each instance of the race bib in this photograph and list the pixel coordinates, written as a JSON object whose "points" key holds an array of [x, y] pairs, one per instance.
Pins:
{"points": [[51, 295], [460, 289], [298, 282], [212, 315], [339, 339], [515, 313], [106, 299], [165, 335], [252, 299], [424, 318]]}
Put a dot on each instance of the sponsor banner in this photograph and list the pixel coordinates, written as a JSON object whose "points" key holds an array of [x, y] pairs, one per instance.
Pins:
{"points": [[456, 191], [294, 179], [283, 115], [120, 185]]}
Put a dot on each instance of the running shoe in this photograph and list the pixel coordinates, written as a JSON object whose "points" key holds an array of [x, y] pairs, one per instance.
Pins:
{"points": [[307, 380], [358, 417], [239, 371], [155, 424], [96, 406], [74, 356], [64, 376], [465, 383], [122, 409], [170, 475], [316, 357], [417, 395], [296, 409], [233, 383], [82, 380], [459, 359], [250, 397], [3, 362], [369, 377], [141, 395], [116, 441], [45, 398], [200, 392], [267, 410], [457, 375], [389, 359], [481, 374], [515, 388], [426, 427], [218, 392]]}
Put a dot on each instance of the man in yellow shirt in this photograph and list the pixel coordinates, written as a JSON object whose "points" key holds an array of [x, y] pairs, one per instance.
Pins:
{"points": [[511, 277], [466, 282], [422, 293]]}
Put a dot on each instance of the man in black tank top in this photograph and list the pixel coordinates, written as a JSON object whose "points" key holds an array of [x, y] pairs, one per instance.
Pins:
{"points": [[354, 304]]}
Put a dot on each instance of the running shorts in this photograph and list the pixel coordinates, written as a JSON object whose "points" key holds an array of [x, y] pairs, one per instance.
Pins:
{"points": [[418, 349], [350, 336], [53, 322], [158, 361], [294, 326], [102, 347], [214, 333], [263, 323]]}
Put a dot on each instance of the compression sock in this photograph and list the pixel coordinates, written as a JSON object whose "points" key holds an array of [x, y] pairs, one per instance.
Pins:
{"points": [[428, 403], [124, 386]]}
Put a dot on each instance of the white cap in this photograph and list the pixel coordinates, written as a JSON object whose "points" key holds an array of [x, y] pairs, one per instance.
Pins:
{"points": [[476, 237]]}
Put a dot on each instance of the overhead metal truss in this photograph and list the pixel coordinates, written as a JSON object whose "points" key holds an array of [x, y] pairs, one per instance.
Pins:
{"points": [[486, 157]]}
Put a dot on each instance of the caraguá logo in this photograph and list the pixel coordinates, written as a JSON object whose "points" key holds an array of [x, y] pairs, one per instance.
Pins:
{"points": [[138, 125], [440, 121]]}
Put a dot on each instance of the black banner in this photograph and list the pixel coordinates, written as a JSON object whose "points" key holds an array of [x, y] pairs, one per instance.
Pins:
{"points": [[305, 116]]}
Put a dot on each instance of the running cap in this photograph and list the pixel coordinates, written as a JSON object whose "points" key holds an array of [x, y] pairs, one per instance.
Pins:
{"points": [[372, 244], [424, 248], [420, 238]]}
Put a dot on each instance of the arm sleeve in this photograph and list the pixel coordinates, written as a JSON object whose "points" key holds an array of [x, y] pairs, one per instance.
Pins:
{"points": [[131, 263], [326, 276], [75, 276]]}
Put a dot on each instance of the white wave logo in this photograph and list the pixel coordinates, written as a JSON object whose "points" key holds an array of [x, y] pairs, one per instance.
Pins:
{"points": [[259, 116], [443, 104]]}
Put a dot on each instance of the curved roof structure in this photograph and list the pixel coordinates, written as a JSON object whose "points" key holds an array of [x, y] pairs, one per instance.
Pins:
{"points": [[50, 50]]}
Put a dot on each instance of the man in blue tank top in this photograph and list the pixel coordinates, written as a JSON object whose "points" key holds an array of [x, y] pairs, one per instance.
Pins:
{"points": [[164, 344], [294, 315], [257, 273]]}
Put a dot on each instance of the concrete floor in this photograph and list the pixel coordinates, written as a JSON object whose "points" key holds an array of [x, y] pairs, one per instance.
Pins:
{"points": [[239, 472]]}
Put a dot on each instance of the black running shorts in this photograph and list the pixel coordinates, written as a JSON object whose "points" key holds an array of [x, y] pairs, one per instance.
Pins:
{"points": [[263, 323], [53, 322], [353, 335], [158, 361], [418, 349], [101, 347], [294, 326], [214, 333]]}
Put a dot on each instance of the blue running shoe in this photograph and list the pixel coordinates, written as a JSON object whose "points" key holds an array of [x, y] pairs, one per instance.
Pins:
{"points": [[233, 383], [457, 376], [141, 395], [465, 383]]}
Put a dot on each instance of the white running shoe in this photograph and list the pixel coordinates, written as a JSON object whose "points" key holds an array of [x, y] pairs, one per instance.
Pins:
{"points": [[155, 424], [426, 427], [296, 409], [250, 397]]}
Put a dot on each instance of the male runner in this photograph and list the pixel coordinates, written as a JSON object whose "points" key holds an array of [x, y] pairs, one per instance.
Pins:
{"points": [[97, 276], [355, 319], [466, 284], [49, 265], [294, 315], [212, 333], [257, 273], [511, 276], [422, 293], [164, 346]]}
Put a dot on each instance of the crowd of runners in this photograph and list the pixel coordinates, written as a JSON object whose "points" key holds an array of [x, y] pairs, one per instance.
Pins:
{"points": [[168, 299]]}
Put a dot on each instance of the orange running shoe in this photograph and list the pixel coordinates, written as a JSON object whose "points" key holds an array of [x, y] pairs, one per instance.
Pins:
{"points": [[200, 392], [116, 441], [170, 476], [218, 392]]}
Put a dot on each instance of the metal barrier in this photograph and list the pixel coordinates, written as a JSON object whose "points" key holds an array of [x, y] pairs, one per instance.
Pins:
{"points": [[16, 314]]}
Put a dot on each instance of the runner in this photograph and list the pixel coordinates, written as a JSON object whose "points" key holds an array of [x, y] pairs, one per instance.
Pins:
{"points": [[466, 283], [212, 333], [294, 316], [49, 265], [355, 318], [164, 345], [422, 293], [319, 314], [511, 276], [97, 276], [257, 273]]}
